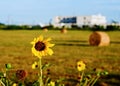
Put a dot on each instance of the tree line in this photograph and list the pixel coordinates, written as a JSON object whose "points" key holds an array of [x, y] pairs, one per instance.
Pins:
{"points": [[51, 27]]}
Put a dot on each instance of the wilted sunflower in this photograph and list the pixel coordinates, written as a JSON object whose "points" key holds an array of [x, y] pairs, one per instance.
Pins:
{"points": [[21, 74], [80, 65], [41, 47]]}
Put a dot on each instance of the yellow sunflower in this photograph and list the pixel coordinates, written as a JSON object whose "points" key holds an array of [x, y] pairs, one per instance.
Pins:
{"points": [[81, 65], [51, 83], [34, 65], [14, 84], [41, 47]]}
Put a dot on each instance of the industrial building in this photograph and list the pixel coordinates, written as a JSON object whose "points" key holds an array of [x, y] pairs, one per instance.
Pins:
{"points": [[91, 20]]}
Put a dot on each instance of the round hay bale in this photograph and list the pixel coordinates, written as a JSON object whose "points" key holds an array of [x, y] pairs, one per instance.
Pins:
{"points": [[98, 38], [45, 29], [63, 30]]}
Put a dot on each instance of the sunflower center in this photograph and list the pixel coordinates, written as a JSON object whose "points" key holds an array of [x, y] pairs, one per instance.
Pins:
{"points": [[39, 46], [79, 65]]}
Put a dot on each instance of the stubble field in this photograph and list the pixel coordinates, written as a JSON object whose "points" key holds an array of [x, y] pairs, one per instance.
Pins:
{"points": [[15, 48]]}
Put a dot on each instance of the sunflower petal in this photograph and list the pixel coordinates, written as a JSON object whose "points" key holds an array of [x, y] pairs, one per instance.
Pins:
{"points": [[40, 38], [49, 44], [33, 42], [48, 39], [50, 52]]}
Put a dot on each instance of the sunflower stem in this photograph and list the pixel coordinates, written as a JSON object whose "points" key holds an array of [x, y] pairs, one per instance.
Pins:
{"points": [[81, 78], [2, 83], [40, 76], [95, 80]]}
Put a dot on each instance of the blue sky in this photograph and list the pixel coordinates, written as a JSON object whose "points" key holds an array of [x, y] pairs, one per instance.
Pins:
{"points": [[42, 11]]}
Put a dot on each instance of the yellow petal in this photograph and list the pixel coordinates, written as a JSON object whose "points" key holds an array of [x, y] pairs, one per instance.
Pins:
{"points": [[33, 66], [40, 38], [33, 42], [14, 84], [48, 39], [49, 44], [43, 53], [50, 52]]}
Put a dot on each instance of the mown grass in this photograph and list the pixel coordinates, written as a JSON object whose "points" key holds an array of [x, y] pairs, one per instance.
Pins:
{"points": [[15, 48]]}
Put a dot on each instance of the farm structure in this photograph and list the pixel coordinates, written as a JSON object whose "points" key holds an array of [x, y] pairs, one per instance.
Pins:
{"points": [[90, 20]]}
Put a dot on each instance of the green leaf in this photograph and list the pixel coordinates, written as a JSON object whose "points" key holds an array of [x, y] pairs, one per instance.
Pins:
{"points": [[46, 66]]}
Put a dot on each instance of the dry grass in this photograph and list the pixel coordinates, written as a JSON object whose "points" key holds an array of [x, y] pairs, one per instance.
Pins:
{"points": [[15, 48]]}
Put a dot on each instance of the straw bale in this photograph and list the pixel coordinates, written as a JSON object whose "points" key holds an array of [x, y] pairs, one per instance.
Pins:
{"points": [[45, 29], [99, 38], [63, 30]]}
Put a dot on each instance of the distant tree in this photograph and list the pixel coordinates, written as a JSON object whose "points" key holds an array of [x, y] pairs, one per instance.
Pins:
{"points": [[86, 27], [36, 27], [2, 23], [112, 27], [12, 27], [75, 27], [98, 28]]}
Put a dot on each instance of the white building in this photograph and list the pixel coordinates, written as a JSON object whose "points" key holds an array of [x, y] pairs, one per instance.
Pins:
{"points": [[59, 21]]}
